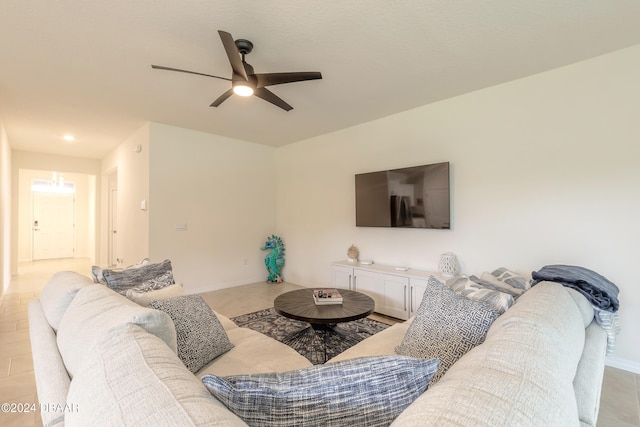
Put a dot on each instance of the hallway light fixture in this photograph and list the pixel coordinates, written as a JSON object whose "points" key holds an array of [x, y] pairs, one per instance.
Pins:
{"points": [[57, 180]]}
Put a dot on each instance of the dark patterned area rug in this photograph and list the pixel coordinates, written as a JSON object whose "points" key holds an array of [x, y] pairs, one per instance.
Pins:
{"points": [[311, 344]]}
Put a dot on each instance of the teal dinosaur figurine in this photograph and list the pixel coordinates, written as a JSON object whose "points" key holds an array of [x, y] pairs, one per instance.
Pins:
{"points": [[274, 261]]}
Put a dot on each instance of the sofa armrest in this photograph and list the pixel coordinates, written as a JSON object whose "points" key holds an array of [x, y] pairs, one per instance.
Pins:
{"points": [[52, 379], [588, 380]]}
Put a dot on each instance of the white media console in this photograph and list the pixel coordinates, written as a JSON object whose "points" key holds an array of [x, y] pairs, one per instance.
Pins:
{"points": [[396, 293]]}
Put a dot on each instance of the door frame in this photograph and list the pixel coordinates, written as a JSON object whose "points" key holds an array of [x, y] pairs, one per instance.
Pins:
{"points": [[113, 226]]}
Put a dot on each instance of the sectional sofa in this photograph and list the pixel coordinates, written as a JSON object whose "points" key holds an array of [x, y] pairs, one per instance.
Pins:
{"points": [[101, 359]]}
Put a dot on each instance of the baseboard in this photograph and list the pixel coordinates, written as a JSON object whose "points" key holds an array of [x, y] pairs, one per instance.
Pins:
{"points": [[624, 364], [219, 286]]}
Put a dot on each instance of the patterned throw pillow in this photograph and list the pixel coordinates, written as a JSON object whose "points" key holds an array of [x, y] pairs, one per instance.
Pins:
{"points": [[156, 283], [149, 276], [492, 283], [512, 279], [479, 291], [145, 298], [366, 391], [98, 277], [200, 335], [446, 326], [96, 274]]}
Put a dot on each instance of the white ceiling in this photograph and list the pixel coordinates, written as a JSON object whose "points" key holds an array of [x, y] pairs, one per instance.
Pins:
{"points": [[83, 67]]}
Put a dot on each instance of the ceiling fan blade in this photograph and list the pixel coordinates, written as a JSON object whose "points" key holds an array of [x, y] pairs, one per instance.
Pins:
{"points": [[222, 98], [160, 67], [269, 79], [271, 97], [233, 54]]}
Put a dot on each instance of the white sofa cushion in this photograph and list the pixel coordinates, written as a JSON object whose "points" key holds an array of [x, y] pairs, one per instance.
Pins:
{"points": [[254, 353], [58, 293], [381, 344], [134, 379], [97, 309]]}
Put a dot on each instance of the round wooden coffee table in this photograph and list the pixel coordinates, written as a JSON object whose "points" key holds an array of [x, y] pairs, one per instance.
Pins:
{"points": [[299, 305]]}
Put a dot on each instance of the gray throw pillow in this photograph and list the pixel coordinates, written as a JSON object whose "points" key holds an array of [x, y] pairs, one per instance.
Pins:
{"points": [[149, 277], [468, 287], [367, 391], [200, 335], [96, 274], [512, 279], [98, 277], [446, 326]]}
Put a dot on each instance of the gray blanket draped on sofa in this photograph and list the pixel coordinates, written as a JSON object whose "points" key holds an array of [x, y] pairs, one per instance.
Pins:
{"points": [[601, 292]]}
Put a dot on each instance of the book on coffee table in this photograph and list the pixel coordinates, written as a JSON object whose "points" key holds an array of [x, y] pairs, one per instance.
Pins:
{"points": [[327, 296]]}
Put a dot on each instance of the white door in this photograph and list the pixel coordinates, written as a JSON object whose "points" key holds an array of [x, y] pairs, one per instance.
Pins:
{"points": [[53, 225]]}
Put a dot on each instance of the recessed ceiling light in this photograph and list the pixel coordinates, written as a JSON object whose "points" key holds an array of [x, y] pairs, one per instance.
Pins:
{"points": [[69, 138]]}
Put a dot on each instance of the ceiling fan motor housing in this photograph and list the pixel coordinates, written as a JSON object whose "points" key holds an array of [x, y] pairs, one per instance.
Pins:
{"points": [[244, 46]]}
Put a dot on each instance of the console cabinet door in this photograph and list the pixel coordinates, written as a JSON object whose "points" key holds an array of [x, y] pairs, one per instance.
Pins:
{"points": [[418, 286], [395, 298], [341, 277], [370, 283]]}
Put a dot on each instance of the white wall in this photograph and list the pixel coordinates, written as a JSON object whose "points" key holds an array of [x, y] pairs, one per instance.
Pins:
{"points": [[224, 191], [23, 160], [133, 186], [5, 210], [544, 171]]}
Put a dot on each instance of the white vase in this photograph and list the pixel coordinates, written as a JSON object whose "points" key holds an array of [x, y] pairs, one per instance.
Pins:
{"points": [[448, 265]]}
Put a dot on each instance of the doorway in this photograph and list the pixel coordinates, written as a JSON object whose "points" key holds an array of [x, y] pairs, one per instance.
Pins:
{"points": [[113, 230], [113, 219], [79, 188]]}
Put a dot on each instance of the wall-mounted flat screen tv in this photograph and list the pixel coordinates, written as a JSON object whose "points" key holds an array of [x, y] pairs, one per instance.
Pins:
{"points": [[413, 197]]}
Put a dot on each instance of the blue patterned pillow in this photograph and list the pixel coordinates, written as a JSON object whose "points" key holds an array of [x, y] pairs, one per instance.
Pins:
{"points": [[200, 335], [476, 289], [446, 326], [366, 391], [512, 279]]}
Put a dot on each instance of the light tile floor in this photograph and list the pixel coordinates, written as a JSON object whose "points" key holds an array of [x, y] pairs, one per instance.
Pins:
{"points": [[619, 405]]}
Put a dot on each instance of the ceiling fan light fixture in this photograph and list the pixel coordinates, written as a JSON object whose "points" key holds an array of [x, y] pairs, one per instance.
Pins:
{"points": [[242, 89], [244, 81]]}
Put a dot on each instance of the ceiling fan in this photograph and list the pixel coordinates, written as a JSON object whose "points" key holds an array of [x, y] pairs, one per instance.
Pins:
{"points": [[244, 82]]}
